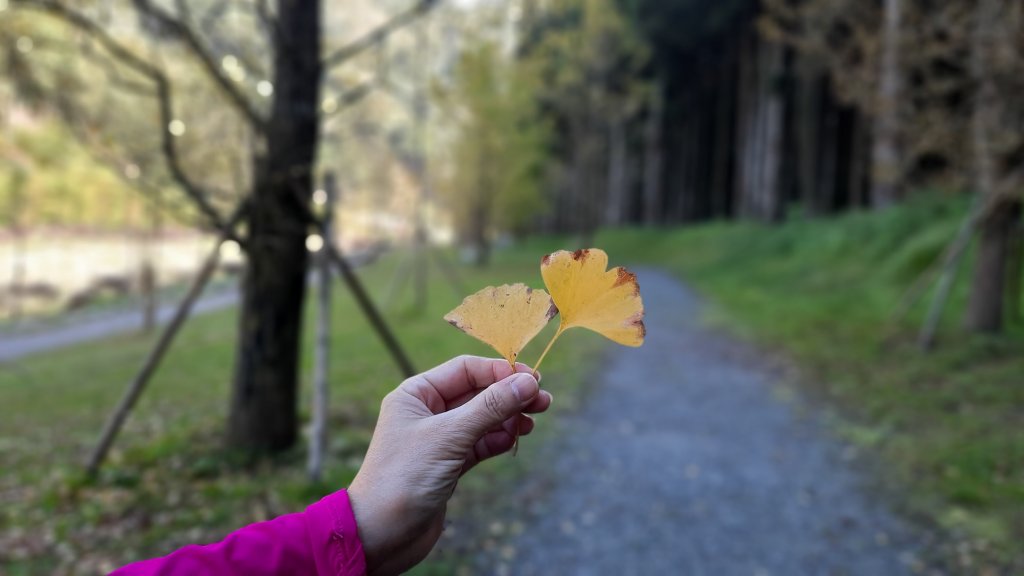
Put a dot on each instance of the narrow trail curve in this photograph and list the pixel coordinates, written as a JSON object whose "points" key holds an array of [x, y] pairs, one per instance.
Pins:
{"points": [[15, 346], [684, 460]]}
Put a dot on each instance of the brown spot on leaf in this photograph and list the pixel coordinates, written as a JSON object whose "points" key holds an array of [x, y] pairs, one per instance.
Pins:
{"points": [[637, 320], [544, 261], [580, 254], [552, 311], [626, 277]]}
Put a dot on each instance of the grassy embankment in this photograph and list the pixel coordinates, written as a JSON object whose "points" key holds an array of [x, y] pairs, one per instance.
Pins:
{"points": [[949, 426], [169, 482]]}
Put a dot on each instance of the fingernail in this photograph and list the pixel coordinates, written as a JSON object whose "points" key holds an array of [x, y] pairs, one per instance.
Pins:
{"points": [[524, 387]]}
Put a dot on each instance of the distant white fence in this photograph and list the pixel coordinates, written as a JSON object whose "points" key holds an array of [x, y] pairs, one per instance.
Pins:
{"points": [[46, 270]]}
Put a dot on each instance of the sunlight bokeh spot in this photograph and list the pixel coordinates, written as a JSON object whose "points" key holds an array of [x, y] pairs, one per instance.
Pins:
{"points": [[176, 128], [314, 242], [230, 250]]}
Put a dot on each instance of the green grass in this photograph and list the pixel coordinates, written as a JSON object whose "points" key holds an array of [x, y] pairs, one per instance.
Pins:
{"points": [[168, 481], [948, 426]]}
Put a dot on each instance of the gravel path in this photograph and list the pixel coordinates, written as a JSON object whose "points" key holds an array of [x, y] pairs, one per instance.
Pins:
{"points": [[14, 346], [685, 460], [18, 342]]}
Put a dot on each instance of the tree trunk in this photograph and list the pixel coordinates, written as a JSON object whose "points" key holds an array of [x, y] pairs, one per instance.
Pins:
{"points": [[653, 150], [264, 399], [807, 132], [147, 289], [744, 123], [1015, 275], [148, 281], [771, 193], [886, 164], [478, 232], [322, 352], [991, 272], [618, 179], [421, 114], [722, 166], [985, 310], [755, 186], [859, 164], [594, 159], [827, 192], [685, 161]]}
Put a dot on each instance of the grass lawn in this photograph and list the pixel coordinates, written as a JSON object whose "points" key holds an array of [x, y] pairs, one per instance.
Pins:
{"points": [[949, 426], [168, 481]]}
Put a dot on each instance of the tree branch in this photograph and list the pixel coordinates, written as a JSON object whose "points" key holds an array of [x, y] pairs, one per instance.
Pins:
{"points": [[187, 35], [207, 25], [267, 19], [115, 78], [378, 35], [351, 97], [164, 94]]}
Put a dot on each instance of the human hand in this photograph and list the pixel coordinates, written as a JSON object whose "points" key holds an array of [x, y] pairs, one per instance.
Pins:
{"points": [[432, 429]]}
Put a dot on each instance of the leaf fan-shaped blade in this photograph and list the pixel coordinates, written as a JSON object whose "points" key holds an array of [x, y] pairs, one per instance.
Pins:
{"points": [[589, 296], [504, 317]]}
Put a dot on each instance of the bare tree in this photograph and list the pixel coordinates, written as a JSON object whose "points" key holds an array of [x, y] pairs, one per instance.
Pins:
{"points": [[285, 131]]}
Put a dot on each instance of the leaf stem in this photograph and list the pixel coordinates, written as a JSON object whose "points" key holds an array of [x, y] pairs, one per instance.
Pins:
{"points": [[515, 443], [546, 350]]}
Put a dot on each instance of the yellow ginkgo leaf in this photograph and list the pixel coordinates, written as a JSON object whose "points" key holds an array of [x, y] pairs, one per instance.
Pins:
{"points": [[589, 296], [506, 317]]}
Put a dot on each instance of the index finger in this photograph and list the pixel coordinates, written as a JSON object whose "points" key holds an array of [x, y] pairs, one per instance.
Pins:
{"points": [[456, 378]]}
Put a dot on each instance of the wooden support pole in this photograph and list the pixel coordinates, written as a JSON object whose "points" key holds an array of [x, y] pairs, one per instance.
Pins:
{"points": [[926, 339], [135, 389], [421, 114], [348, 275], [322, 352], [369, 309], [924, 281]]}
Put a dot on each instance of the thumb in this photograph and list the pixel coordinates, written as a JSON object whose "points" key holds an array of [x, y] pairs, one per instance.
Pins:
{"points": [[499, 402]]}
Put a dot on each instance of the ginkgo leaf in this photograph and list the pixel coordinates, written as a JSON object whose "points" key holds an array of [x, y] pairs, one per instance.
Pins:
{"points": [[505, 317], [589, 296]]}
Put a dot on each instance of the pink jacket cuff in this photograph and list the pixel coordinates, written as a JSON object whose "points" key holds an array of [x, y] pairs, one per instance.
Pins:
{"points": [[334, 537], [322, 541]]}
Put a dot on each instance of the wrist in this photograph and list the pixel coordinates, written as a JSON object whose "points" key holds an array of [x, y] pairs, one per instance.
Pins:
{"points": [[370, 525]]}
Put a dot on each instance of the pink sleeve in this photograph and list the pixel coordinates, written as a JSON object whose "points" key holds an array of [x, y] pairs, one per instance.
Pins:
{"points": [[322, 541]]}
